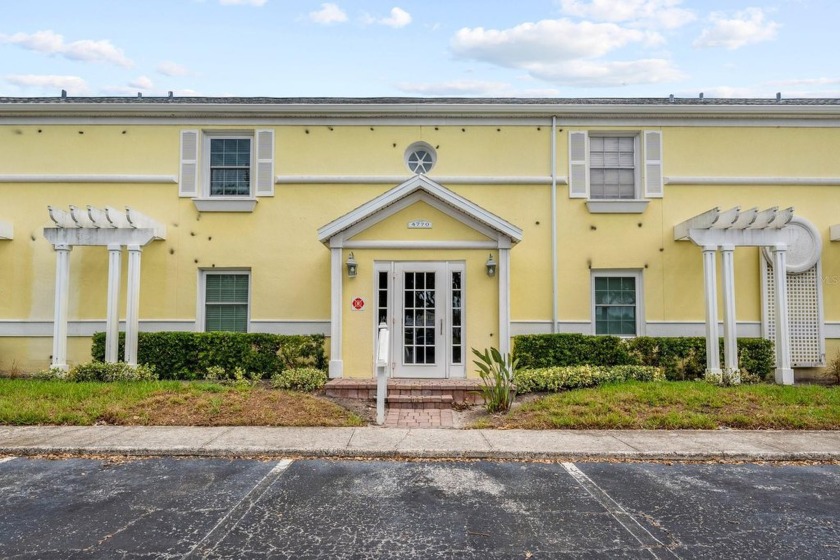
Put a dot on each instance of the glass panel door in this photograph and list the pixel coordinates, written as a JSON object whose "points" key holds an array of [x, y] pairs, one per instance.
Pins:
{"points": [[420, 320]]}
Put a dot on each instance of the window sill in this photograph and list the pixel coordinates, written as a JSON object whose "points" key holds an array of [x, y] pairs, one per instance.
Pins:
{"points": [[617, 206], [220, 204]]}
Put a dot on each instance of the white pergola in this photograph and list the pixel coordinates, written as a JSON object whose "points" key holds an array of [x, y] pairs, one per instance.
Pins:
{"points": [[722, 231], [109, 228]]}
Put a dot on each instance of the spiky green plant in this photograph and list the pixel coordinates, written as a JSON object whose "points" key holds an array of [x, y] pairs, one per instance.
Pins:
{"points": [[497, 371]]}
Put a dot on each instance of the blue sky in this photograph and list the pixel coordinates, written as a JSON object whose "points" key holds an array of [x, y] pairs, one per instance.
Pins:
{"points": [[477, 48]]}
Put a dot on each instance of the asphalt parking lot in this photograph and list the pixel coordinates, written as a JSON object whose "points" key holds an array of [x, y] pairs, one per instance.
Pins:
{"points": [[225, 508]]}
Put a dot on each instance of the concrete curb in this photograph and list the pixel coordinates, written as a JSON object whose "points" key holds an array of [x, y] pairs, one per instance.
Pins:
{"points": [[420, 454]]}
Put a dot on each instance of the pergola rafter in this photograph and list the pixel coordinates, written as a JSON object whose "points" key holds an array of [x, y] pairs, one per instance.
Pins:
{"points": [[717, 230], [113, 229]]}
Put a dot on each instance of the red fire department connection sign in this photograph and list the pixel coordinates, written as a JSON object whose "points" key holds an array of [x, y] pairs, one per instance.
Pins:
{"points": [[357, 304]]}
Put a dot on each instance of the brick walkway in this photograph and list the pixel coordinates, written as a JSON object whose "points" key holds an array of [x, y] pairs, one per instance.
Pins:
{"points": [[418, 418]]}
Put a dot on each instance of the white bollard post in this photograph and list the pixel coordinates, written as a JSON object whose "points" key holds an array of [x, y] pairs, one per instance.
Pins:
{"points": [[383, 345]]}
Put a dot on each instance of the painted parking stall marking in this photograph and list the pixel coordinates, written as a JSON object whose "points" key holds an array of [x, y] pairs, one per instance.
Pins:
{"points": [[650, 543], [232, 518]]}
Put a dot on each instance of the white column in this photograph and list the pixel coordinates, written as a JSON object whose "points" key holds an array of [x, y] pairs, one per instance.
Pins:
{"points": [[710, 285], [132, 312], [503, 274], [112, 323], [62, 297], [784, 372], [730, 337], [336, 271]]}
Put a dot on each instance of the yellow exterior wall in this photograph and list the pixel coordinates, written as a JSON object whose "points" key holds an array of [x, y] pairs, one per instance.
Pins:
{"points": [[290, 268]]}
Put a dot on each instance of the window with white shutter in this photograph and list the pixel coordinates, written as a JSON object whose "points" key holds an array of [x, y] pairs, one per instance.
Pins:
{"points": [[615, 171]]}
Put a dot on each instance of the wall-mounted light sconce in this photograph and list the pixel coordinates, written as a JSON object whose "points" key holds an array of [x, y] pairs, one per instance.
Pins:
{"points": [[491, 266], [352, 268]]}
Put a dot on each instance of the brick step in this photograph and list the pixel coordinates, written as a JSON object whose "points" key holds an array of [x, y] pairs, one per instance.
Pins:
{"points": [[456, 391], [414, 402]]}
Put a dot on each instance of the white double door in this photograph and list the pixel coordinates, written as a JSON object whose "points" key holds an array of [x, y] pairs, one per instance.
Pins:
{"points": [[427, 306]]}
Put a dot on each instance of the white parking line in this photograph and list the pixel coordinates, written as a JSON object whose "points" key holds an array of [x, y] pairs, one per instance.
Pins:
{"points": [[650, 543], [232, 518], [4, 459]]}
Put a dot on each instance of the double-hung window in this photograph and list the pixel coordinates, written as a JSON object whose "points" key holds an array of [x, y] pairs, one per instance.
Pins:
{"points": [[613, 167], [617, 303], [225, 304], [229, 171]]}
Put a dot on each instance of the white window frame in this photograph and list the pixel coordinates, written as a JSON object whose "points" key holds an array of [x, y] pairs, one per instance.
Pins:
{"points": [[420, 146], [207, 138], [638, 275], [201, 305], [637, 175]]}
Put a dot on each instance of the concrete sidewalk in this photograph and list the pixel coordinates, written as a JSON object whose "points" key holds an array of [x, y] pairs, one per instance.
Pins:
{"points": [[375, 442]]}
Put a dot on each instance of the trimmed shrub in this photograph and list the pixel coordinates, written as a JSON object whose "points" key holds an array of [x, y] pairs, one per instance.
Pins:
{"points": [[101, 371], [548, 350], [304, 380], [680, 358], [562, 378], [188, 355]]}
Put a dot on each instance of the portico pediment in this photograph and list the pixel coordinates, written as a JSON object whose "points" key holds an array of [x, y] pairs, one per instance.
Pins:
{"points": [[405, 213]]}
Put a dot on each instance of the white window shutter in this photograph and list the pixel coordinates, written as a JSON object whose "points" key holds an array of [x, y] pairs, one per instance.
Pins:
{"points": [[188, 181], [653, 164], [578, 165], [265, 163]]}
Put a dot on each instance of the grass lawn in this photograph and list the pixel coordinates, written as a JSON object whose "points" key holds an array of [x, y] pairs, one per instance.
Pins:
{"points": [[678, 405], [163, 403]]}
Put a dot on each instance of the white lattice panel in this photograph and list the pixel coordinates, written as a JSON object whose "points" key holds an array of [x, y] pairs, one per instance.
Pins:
{"points": [[807, 342]]}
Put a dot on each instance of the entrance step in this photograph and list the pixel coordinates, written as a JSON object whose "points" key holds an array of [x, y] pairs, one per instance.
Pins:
{"points": [[412, 393]]}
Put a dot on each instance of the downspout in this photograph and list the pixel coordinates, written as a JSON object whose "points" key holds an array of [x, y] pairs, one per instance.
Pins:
{"points": [[554, 271]]}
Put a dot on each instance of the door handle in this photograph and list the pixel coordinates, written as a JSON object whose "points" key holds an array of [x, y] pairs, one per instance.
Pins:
{"points": [[440, 332]]}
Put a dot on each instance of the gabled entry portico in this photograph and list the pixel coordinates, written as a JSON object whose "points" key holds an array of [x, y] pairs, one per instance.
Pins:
{"points": [[421, 254]]}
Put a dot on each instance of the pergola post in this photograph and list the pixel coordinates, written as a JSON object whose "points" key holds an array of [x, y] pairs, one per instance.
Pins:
{"points": [[713, 372], [112, 326], [784, 372], [731, 372], [62, 297], [132, 319]]}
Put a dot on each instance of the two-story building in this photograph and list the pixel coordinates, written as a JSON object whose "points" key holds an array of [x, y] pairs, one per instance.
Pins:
{"points": [[458, 223]]}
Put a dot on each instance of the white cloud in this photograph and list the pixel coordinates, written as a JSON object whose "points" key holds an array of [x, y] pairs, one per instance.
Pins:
{"points": [[593, 73], [73, 84], [547, 41], [169, 68], [398, 18], [472, 88], [256, 3], [328, 14], [50, 43], [643, 13], [566, 52], [141, 82], [742, 28], [455, 87]]}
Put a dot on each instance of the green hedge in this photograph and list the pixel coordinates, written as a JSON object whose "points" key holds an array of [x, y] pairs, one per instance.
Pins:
{"points": [[561, 378], [679, 357], [187, 355]]}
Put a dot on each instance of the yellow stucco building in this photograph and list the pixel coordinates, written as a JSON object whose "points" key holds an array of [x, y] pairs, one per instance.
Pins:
{"points": [[458, 223]]}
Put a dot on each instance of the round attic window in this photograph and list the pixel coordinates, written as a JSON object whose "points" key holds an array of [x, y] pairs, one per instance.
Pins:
{"points": [[420, 158]]}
